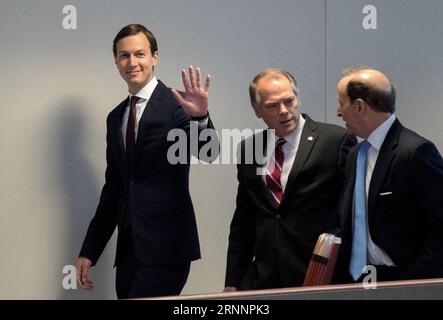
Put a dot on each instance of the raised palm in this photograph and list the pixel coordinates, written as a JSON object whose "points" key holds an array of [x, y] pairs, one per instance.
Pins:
{"points": [[195, 99]]}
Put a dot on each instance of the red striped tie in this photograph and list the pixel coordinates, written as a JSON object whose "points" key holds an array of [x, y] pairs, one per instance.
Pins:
{"points": [[273, 173]]}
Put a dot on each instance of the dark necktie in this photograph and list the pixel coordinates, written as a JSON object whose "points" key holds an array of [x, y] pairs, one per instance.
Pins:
{"points": [[130, 131], [273, 173]]}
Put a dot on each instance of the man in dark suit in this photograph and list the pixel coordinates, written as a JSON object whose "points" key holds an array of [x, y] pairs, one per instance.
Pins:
{"points": [[144, 194], [392, 204], [281, 213]]}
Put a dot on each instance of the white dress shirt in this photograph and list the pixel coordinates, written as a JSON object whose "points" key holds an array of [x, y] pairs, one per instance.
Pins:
{"points": [[143, 97], [376, 255], [289, 149]]}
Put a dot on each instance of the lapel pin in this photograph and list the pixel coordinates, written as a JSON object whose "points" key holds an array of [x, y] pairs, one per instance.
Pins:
{"points": [[310, 138]]}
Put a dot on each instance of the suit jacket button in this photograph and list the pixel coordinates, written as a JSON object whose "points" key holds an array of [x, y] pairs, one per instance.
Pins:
{"points": [[133, 181], [278, 217]]}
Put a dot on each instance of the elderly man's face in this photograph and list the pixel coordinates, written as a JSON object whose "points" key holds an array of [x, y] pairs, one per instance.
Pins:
{"points": [[279, 106]]}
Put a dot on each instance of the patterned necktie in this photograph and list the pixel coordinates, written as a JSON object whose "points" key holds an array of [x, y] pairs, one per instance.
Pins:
{"points": [[273, 173], [130, 131], [359, 236]]}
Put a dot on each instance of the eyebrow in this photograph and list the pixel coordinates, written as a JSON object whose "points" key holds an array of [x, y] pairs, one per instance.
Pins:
{"points": [[277, 101], [136, 51]]}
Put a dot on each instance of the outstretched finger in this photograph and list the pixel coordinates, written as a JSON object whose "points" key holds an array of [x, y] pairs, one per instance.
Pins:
{"points": [[185, 80], [208, 82], [198, 76], [79, 276], [191, 76], [83, 277]]}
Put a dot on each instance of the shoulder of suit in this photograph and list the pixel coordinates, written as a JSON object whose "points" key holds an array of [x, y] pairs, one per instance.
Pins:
{"points": [[329, 129], [164, 88], [117, 109], [252, 138], [408, 134], [411, 140], [251, 142], [323, 125], [167, 94]]}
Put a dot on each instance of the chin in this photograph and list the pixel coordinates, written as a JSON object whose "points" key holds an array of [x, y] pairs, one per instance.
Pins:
{"points": [[283, 133], [290, 129], [134, 82], [350, 131]]}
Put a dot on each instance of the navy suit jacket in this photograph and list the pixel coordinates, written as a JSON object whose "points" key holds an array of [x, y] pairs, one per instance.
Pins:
{"points": [[405, 206], [155, 195], [265, 238]]}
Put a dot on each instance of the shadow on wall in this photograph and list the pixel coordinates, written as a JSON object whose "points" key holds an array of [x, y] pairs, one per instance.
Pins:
{"points": [[81, 188]]}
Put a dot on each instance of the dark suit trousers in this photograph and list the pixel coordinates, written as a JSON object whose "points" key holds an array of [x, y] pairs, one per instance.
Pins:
{"points": [[134, 280], [384, 273], [253, 281]]}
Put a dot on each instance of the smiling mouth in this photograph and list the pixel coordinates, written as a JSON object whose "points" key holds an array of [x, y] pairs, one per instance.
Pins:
{"points": [[285, 121]]}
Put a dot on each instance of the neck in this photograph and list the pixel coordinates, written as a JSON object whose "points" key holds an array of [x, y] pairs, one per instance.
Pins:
{"points": [[133, 89], [376, 120]]}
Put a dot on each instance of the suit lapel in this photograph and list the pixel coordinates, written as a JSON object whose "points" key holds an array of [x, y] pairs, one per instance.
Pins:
{"points": [[269, 202], [346, 213], [265, 199], [307, 142], [384, 161], [347, 200], [148, 114], [116, 124], [116, 138]]}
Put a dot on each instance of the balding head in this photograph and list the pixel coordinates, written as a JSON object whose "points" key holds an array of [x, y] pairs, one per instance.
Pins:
{"points": [[372, 86]]}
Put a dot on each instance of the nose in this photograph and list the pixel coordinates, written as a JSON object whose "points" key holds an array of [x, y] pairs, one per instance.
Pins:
{"points": [[132, 61], [339, 113], [282, 108]]}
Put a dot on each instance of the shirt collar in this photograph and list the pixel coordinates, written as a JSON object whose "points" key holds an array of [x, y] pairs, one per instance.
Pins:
{"points": [[377, 136], [296, 134], [145, 93]]}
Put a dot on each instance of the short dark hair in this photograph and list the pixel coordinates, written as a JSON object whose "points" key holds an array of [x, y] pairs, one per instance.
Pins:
{"points": [[379, 100], [131, 30]]}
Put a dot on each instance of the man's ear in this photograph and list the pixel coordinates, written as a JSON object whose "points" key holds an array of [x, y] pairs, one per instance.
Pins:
{"points": [[155, 58], [360, 105]]}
